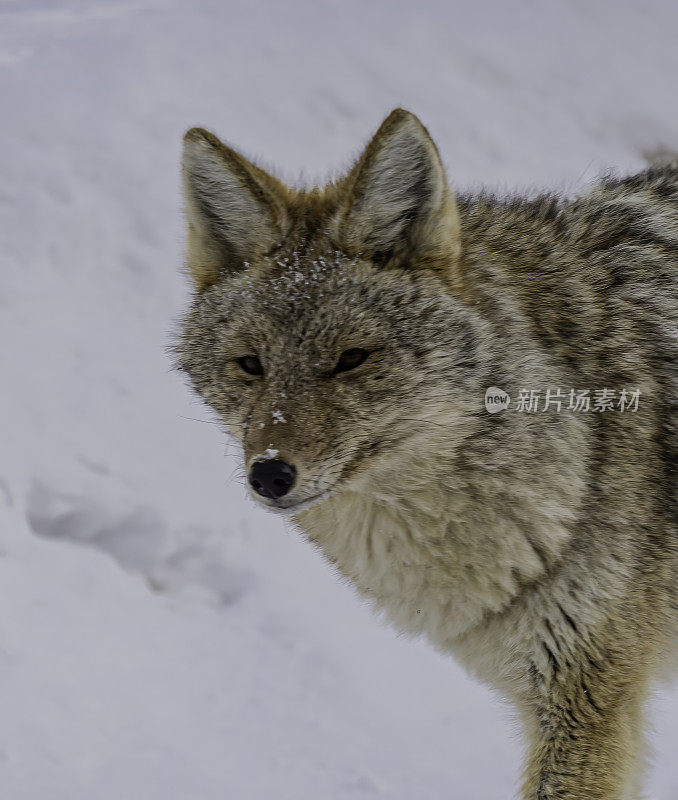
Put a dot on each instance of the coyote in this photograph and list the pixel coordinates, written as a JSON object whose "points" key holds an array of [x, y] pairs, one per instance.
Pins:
{"points": [[348, 337]]}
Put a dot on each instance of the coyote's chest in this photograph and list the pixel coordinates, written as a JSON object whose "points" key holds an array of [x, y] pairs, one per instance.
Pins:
{"points": [[437, 567]]}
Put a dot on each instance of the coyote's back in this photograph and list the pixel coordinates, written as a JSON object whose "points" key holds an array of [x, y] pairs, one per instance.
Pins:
{"points": [[358, 340]]}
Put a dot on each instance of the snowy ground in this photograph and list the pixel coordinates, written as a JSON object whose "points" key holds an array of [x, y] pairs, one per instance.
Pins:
{"points": [[160, 638]]}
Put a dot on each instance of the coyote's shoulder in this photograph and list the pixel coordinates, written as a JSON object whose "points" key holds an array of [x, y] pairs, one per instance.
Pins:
{"points": [[347, 337]]}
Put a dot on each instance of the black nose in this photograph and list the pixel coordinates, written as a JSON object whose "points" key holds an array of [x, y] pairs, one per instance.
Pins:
{"points": [[272, 478]]}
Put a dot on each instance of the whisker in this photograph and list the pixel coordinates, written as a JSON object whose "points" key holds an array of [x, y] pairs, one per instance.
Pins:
{"points": [[204, 421]]}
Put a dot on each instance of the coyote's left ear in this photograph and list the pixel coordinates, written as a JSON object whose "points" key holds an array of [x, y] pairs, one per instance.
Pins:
{"points": [[235, 210], [396, 207]]}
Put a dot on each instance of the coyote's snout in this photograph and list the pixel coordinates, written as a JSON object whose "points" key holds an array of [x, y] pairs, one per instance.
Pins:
{"points": [[353, 339], [272, 478]]}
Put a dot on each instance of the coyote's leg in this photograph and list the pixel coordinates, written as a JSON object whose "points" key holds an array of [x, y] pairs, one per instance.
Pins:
{"points": [[585, 738]]}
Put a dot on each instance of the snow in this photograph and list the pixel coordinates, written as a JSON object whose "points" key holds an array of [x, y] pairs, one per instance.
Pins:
{"points": [[160, 637]]}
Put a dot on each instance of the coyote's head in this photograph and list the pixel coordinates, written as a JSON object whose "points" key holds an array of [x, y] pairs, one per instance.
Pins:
{"points": [[329, 329]]}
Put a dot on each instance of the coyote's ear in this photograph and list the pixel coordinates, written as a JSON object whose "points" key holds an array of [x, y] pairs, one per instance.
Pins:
{"points": [[234, 209], [396, 206]]}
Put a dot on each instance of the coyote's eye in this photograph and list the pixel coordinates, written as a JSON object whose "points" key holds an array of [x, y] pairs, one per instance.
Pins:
{"points": [[350, 359], [251, 365]]}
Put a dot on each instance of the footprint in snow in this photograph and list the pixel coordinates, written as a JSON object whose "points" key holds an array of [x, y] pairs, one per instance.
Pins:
{"points": [[194, 559]]}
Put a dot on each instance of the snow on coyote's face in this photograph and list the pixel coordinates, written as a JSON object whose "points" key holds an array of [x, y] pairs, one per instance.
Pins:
{"points": [[331, 367]]}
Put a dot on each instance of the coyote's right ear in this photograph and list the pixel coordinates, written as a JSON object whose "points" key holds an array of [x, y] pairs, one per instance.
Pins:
{"points": [[235, 210], [396, 207]]}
